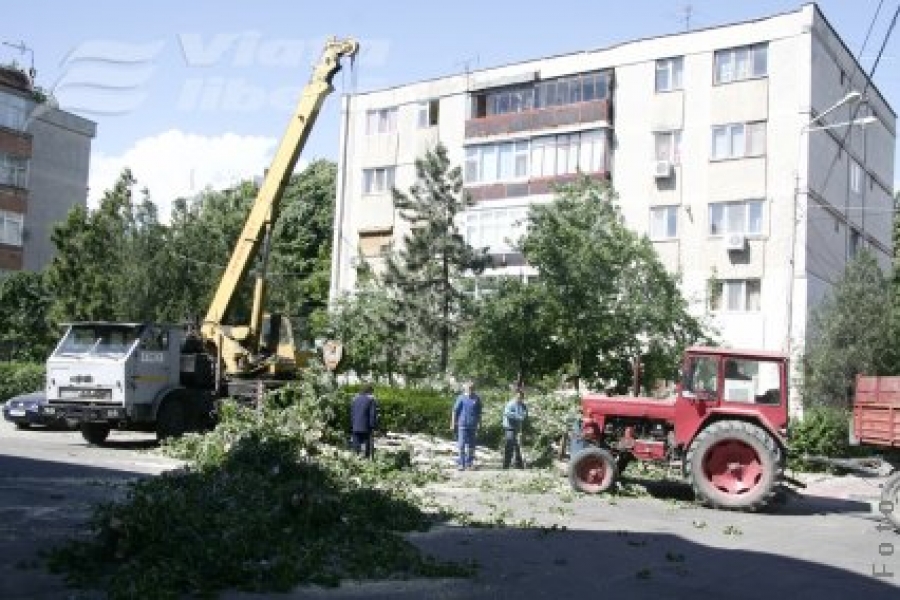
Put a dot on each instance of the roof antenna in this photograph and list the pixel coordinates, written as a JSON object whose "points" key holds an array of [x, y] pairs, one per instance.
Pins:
{"points": [[22, 48], [687, 11]]}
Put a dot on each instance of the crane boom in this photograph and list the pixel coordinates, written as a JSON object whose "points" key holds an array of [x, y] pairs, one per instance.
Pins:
{"points": [[264, 213]]}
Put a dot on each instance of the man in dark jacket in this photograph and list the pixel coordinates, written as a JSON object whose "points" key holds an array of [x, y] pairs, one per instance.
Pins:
{"points": [[363, 420]]}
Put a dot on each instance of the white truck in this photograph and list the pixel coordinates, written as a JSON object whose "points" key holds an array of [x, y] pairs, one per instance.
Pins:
{"points": [[138, 376]]}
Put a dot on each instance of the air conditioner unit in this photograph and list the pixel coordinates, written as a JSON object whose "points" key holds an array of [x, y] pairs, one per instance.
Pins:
{"points": [[662, 169], [735, 241]]}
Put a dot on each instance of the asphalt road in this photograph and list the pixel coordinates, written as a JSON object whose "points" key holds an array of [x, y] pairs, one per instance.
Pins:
{"points": [[828, 543]]}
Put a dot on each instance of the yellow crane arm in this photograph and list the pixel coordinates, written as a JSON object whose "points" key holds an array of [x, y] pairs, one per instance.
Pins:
{"points": [[265, 208]]}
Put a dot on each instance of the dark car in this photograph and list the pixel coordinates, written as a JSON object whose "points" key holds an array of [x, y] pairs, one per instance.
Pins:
{"points": [[23, 411]]}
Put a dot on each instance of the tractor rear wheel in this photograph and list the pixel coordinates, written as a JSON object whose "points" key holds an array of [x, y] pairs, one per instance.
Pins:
{"points": [[890, 499], [593, 471], [735, 465]]}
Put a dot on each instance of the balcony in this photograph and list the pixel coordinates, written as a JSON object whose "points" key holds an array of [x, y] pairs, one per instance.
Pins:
{"points": [[540, 119], [532, 187]]}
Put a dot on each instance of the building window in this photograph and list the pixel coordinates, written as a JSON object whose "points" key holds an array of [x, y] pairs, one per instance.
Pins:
{"points": [[13, 170], [381, 120], [668, 74], [856, 178], [663, 222], [736, 64], [585, 87], [13, 111], [378, 180], [428, 114], [735, 295], [373, 244], [736, 217], [668, 146], [497, 229], [10, 228], [855, 245], [556, 155], [738, 140]]}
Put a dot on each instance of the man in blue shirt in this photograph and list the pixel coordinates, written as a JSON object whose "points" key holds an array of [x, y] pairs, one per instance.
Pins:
{"points": [[514, 414], [465, 419], [363, 420]]}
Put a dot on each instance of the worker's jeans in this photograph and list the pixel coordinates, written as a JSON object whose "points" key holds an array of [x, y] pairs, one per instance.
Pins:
{"points": [[510, 448], [465, 443]]}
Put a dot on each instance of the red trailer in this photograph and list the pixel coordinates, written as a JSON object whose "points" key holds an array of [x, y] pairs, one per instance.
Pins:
{"points": [[876, 422]]}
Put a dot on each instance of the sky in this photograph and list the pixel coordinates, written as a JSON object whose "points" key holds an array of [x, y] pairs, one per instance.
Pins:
{"points": [[195, 94]]}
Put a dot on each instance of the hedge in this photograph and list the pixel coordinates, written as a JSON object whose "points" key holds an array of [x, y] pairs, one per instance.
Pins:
{"points": [[20, 378]]}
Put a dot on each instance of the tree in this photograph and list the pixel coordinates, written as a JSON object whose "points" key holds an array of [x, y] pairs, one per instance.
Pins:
{"points": [[510, 337], [426, 272], [605, 290], [852, 331], [85, 274], [26, 331]]}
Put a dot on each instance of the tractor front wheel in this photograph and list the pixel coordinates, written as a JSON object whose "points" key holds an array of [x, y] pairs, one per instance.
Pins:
{"points": [[593, 471], [95, 433], [735, 465]]}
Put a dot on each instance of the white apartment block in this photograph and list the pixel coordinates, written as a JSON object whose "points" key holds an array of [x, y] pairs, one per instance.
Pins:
{"points": [[717, 142]]}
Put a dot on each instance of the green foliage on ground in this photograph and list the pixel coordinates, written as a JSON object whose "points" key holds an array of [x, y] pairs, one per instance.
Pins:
{"points": [[20, 378], [270, 500]]}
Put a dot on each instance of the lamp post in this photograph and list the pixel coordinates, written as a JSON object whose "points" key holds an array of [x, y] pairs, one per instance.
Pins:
{"points": [[811, 126]]}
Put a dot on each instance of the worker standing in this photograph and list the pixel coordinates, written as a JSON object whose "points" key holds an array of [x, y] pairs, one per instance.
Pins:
{"points": [[514, 414], [363, 421], [465, 419]]}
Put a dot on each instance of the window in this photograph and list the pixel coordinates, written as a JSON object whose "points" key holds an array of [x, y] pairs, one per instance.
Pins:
{"points": [[668, 146], [856, 178], [735, 295], [855, 245], [556, 155], [381, 120], [373, 244], [736, 64], [586, 87], [428, 114], [668, 74], [751, 380], [13, 111], [378, 180], [663, 222], [498, 229], [10, 228], [737, 140], [701, 377], [13, 170], [736, 217]]}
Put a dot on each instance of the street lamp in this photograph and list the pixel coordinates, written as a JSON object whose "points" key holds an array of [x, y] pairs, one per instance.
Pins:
{"points": [[812, 125]]}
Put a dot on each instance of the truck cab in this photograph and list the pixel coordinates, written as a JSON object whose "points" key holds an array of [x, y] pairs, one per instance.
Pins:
{"points": [[126, 376]]}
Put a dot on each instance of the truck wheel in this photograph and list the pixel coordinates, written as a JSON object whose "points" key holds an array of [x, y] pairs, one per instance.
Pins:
{"points": [[171, 420], [734, 464], [95, 433], [890, 499], [593, 471]]}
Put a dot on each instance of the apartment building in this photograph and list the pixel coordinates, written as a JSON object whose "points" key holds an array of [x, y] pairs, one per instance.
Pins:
{"points": [[728, 146], [44, 159]]}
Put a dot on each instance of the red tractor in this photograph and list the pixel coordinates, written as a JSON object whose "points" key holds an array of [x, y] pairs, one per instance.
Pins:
{"points": [[725, 430]]}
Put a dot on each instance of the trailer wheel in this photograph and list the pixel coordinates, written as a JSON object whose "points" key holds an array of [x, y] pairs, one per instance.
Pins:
{"points": [[593, 471], [171, 420], [890, 499], [95, 433], [735, 465]]}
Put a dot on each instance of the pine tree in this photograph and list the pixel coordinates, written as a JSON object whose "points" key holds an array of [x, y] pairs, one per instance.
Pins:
{"points": [[425, 273]]}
